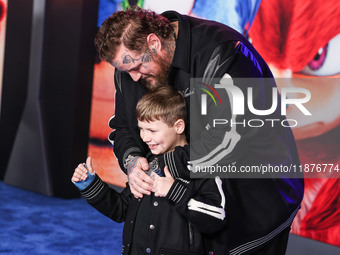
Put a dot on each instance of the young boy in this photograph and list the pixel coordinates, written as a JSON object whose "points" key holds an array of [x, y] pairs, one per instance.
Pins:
{"points": [[180, 215]]}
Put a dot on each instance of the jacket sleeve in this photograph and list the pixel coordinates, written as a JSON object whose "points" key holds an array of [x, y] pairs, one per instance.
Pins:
{"points": [[123, 142], [235, 65], [201, 201], [106, 200], [224, 143]]}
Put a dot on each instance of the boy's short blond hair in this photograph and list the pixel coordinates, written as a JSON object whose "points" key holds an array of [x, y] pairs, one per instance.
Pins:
{"points": [[162, 103]]}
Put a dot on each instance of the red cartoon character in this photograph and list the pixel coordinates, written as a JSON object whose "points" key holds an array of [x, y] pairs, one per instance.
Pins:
{"points": [[301, 40]]}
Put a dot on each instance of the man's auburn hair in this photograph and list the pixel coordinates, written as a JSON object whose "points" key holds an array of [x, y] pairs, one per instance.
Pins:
{"points": [[130, 28], [162, 103]]}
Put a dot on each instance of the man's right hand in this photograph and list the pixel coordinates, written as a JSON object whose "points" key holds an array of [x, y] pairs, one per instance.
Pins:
{"points": [[140, 183]]}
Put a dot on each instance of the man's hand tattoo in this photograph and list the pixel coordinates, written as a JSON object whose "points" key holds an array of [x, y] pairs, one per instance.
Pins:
{"points": [[131, 165]]}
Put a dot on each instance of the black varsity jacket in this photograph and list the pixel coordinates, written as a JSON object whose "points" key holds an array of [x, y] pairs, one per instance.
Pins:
{"points": [[175, 224], [257, 209]]}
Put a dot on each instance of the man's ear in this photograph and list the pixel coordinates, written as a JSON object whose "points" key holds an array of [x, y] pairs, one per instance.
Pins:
{"points": [[154, 43], [179, 126]]}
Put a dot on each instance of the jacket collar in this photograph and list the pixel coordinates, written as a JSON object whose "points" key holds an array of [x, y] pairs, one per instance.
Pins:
{"points": [[182, 53]]}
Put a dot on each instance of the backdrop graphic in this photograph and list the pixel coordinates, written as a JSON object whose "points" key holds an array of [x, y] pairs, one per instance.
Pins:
{"points": [[301, 39], [3, 15]]}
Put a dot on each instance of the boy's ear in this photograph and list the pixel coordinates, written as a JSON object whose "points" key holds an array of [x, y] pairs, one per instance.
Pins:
{"points": [[154, 43], [179, 126]]}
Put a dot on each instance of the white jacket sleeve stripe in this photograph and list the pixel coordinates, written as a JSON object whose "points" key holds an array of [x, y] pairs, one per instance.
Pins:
{"points": [[219, 186], [217, 212], [168, 163], [206, 209], [174, 163]]}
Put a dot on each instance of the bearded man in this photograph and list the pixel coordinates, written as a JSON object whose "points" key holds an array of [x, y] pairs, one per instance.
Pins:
{"points": [[150, 50]]}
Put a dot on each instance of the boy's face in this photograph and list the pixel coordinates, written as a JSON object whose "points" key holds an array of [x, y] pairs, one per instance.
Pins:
{"points": [[159, 136]]}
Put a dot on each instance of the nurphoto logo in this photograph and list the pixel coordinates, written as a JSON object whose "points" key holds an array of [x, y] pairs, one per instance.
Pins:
{"points": [[204, 97], [237, 98]]}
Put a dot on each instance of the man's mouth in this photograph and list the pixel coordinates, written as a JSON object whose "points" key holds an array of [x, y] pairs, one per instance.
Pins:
{"points": [[148, 82], [147, 77], [150, 79]]}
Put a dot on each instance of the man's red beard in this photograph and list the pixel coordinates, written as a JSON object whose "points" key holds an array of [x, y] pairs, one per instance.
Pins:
{"points": [[161, 77]]}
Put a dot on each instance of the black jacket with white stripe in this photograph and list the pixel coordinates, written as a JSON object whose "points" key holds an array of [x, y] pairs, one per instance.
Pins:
{"points": [[176, 224], [257, 209]]}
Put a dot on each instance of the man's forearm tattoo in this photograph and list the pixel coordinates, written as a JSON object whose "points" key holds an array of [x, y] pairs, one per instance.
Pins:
{"points": [[170, 47]]}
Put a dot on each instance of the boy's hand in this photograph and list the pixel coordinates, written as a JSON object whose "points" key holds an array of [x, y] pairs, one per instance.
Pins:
{"points": [[80, 173], [162, 185]]}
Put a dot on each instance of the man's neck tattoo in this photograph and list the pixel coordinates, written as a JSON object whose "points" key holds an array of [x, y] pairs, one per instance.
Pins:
{"points": [[170, 44], [169, 47]]}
